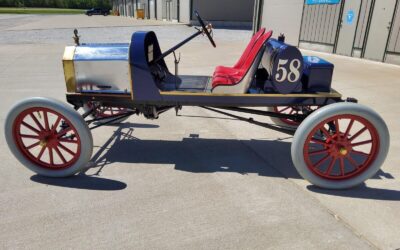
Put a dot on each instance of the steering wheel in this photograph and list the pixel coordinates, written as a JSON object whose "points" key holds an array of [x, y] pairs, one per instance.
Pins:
{"points": [[205, 28]]}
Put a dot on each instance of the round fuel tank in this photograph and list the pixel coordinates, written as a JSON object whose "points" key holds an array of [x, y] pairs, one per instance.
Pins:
{"points": [[284, 64]]}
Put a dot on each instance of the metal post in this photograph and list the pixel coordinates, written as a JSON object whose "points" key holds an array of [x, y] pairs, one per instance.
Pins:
{"points": [[178, 7], [257, 16], [148, 9], [155, 9]]}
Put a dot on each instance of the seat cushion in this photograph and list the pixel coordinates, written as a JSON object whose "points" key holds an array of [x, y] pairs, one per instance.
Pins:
{"points": [[225, 80], [242, 59], [234, 76], [222, 71]]}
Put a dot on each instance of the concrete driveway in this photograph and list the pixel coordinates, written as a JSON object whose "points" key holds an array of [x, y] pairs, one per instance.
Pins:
{"points": [[194, 181]]}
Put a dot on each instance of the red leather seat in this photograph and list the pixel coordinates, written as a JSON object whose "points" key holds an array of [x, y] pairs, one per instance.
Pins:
{"points": [[240, 62], [234, 77]]}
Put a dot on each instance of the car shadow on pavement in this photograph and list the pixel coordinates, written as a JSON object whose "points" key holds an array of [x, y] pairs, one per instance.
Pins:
{"points": [[198, 155], [81, 181], [361, 192]]}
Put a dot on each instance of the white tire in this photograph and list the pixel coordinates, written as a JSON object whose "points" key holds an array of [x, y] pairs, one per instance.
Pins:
{"points": [[48, 137], [340, 158]]}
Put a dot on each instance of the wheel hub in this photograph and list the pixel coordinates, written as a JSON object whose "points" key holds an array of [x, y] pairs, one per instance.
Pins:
{"points": [[43, 143], [48, 139], [339, 146], [343, 151]]}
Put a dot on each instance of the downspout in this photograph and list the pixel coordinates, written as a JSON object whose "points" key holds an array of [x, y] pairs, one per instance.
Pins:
{"points": [[155, 9], [148, 9], [179, 7], [257, 19]]}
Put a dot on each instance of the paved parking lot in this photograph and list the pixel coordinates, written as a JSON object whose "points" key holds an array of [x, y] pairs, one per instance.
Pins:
{"points": [[195, 181]]}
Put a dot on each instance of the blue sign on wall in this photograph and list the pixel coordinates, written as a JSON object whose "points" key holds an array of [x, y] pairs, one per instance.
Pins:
{"points": [[311, 2], [350, 17]]}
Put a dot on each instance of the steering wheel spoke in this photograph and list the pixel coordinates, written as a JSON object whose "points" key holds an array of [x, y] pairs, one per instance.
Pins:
{"points": [[207, 29]]}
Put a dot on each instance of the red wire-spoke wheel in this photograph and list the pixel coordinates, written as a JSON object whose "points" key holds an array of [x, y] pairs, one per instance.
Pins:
{"points": [[340, 145], [290, 110], [48, 137]]}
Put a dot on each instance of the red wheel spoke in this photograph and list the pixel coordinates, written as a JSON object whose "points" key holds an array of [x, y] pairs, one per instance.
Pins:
{"points": [[318, 141], [51, 156], [55, 125], [349, 128], [46, 120], [66, 149], [60, 155], [33, 145], [331, 165], [29, 136], [352, 161], [30, 127], [41, 153], [36, 121], [359, 152], [321, 161], [63, 132], [341, 166], [67, 141], [325, 132], [318, 152], [358, 133], [361, 143], [337, 127]]}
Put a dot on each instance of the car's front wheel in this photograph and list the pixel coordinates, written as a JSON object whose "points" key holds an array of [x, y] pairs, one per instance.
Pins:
{"points": [[340, 145], [48, 137]]}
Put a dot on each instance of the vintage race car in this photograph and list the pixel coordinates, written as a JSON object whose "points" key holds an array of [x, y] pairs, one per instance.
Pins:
{"points": [[337, 143]]}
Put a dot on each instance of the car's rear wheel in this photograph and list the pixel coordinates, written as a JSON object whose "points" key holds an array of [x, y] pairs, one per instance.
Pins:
{"points": [[289, 110], [340, 145], [48, 137], [106, 113]]}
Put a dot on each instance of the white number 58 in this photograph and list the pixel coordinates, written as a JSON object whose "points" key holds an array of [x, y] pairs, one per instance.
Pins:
{"points": [[282, 73]]}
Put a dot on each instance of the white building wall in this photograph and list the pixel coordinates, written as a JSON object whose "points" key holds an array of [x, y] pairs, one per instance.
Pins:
{"points": [[184, 11], [159, 9], [283, 17]]}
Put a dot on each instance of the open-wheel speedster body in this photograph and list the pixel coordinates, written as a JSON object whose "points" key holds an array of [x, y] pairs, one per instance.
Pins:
{"points": [[337, 143]]}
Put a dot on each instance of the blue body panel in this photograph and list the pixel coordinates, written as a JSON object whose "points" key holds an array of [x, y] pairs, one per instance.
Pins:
{"points": [[144, 87], [316, 61], [317, 74]]}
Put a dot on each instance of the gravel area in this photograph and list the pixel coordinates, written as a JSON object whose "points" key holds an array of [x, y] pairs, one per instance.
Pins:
{"points": [[102, 34]]}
